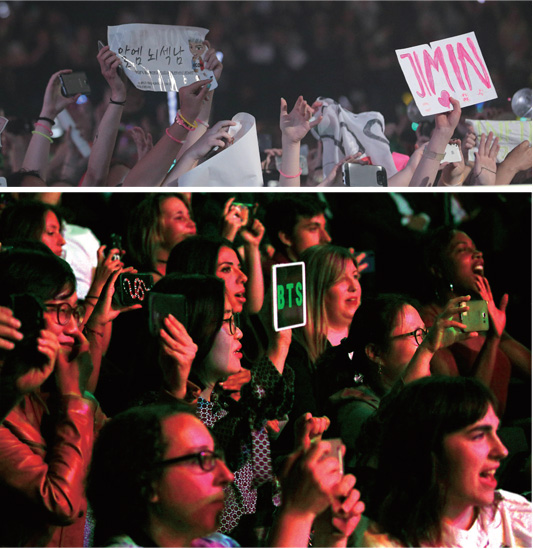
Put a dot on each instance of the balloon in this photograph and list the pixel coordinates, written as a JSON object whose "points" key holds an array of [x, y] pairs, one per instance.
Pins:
{"points": [[521, 103]]}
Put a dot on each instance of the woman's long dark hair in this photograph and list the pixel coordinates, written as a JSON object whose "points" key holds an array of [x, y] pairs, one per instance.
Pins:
{"points": [[25, 219], [205, 305], [413, 424]]}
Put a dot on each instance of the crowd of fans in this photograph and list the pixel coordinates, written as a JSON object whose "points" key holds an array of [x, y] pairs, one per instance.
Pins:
{"points": [[292, 50], [147, 400]]}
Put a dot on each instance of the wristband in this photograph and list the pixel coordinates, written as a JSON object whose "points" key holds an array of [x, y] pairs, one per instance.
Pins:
{"points": [[194, 126], [202, 122], [45, 127], [180, 122], [173, 138], [43, 135], [291, 176], [46, 120], [433, 155], [122, 103]]}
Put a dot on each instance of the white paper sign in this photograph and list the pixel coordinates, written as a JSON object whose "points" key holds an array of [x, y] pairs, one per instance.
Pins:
{"points": [[160, 57], [453, 67], [510, 133], [239, 165]]}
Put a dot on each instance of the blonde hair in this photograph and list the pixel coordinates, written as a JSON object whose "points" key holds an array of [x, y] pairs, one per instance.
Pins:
{"points": [[324, 265]]}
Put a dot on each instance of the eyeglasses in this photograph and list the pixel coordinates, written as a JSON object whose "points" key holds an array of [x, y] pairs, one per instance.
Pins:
{"points": [[232, 323], [65, 312], [419, 334], [207, 459]]}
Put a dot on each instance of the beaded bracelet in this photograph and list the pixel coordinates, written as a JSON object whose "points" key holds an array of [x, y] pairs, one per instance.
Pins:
{"points": [[291, 176], [195, 125], [173, 138], [45, 127], [43, 135], [46, 120], [202, 122]]}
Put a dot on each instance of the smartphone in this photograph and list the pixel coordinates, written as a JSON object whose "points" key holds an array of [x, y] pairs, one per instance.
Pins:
{"points": [[74, 83], [133, 288], [250, 208], [477, 316], [358, 175], [161, 305], [335, 451], [115, 241], [30, 312]]}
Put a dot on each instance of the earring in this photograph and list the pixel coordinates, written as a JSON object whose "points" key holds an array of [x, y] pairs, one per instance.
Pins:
{"points": [[451, 286]]}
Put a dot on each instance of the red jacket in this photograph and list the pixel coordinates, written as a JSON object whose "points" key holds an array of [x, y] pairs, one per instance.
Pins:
{"points": [[45, 448]]}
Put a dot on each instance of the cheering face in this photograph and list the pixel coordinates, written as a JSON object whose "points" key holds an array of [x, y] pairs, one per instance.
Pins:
{"points": [[344, 297], [51, 235], [471, 458], [464, 263], [224, 358], [308, 231], [188, 500], [175, 223], [403, 342], [61, 318], [229, 269]]}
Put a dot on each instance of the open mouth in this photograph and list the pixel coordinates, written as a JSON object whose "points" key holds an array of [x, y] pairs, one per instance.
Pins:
{"points": [[241, 296], [478, 269]]}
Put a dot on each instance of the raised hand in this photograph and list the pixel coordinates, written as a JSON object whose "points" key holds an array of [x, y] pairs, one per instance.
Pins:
{"points": [[485, 165], [54, 102], [177, 353], [497, 314], [296, 124], [109, 63]]}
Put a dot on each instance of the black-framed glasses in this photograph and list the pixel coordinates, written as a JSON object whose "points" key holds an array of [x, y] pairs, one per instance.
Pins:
{"points": [[65, 312], [207, 459], [419, 334], [232, 324]]}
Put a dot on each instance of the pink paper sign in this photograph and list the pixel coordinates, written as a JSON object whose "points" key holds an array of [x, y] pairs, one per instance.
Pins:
{"points": [[453, 67]]}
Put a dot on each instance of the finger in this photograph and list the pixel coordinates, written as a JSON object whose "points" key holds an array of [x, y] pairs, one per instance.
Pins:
{"points": [[316, 122], [503, 302], [283, 107]]}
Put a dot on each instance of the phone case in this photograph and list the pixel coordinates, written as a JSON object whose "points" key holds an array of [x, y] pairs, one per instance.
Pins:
{"points": [[133, 288], [360, 175], [477, 317], [74, 83], [161, 305]]}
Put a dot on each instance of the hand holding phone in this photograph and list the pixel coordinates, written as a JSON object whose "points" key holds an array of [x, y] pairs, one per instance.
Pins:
{"points": [[74, 83]]}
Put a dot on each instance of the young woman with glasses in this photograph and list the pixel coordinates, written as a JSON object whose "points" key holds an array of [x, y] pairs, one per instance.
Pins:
{"points": [[46, 439], [170, 491], [387, 345], [206, 349]]}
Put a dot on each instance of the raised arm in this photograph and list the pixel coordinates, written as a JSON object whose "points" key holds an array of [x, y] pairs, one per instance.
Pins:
{"points": [[38, 152], [217, 136], [106, 136], [519, 159], [294, 127], [484, 172], [445, 124], [444, 332], [153, 167]]}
